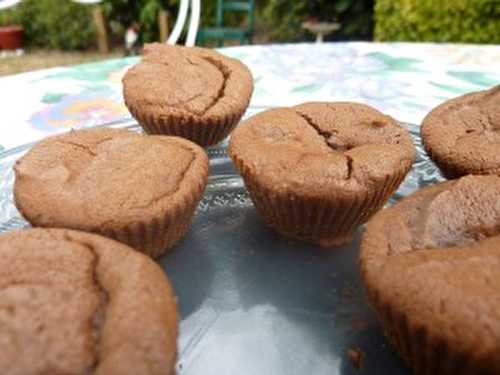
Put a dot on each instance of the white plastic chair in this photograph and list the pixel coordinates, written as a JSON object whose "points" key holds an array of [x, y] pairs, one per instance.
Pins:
{"points": [[194, 22]]}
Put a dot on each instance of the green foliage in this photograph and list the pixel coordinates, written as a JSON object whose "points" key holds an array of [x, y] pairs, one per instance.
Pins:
{"points": [[52, 23], [144, 12], [63, 24], [283, 18], [470, 21], [208, 13], [122, 13]]}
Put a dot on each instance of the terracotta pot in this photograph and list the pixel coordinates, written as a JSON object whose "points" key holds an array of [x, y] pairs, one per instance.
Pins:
{"points": [[11, 37]]}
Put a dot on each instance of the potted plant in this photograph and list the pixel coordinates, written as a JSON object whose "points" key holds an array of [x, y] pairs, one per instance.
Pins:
{"points": [[11, 36]]}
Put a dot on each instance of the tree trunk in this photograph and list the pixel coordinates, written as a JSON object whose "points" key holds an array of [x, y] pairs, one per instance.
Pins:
{"points": [[100, 25]]}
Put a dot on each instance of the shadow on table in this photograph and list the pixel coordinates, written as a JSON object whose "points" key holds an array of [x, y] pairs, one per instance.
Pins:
{"points": [[191, 272], [318, 292], [254, 302]]}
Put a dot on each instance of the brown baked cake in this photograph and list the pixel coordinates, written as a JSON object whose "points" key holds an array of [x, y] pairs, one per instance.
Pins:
{"points": [[431, 266], [78, 303], [141, 190], [317, 170], [462, 135], [195, 93]]}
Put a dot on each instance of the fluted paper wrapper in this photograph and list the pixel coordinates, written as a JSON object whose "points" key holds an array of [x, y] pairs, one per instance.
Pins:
{"points": [[425, 354], [157, 236], [327, 221], [203, 131]]}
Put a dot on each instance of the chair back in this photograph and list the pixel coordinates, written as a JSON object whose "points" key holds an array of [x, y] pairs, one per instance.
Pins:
{"points": [[224, 6]]}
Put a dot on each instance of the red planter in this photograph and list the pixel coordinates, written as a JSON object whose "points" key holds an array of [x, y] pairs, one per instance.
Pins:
{"points": [[11, 37]]}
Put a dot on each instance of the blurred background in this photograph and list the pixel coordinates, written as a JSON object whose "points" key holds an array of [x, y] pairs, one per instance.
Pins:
{"points": [[38, 34]]}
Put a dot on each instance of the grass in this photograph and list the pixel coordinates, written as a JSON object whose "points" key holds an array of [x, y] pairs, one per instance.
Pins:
{"points": [[34, 59], [42, 59]]}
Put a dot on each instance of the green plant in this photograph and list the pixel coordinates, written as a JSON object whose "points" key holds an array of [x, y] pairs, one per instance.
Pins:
{"points": [[144, 12], [283, 18], [53, 23], [63, 24], [471, 21], [10, 17]]}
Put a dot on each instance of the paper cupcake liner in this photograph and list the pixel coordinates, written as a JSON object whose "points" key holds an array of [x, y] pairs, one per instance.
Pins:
{"points": [[154, 237], [421, 351], [205, 131], [157, 236], [327, 222]]}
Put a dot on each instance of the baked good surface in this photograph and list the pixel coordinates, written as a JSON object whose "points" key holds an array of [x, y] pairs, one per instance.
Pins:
{"points": [[77, 303], [196, 93], [462, 135], [430, 265], [339, 160], [141, 190]]}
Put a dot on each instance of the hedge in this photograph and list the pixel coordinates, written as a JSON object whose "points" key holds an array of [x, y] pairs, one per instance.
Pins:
{"points": [[63, 24], [468, 21], [60, 24]]}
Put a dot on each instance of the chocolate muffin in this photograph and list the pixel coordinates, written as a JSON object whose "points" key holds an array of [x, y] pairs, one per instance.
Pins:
{"points": [[317, 170], [431, 266], [195, 93], [77, 303], [462, 135], [140, 190]]}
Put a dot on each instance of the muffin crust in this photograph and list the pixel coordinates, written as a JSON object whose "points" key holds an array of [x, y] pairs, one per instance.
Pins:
{"points": [[429, 264], [78, 303], [195, 93], [462, 135], [340, 161], [105, 180]]}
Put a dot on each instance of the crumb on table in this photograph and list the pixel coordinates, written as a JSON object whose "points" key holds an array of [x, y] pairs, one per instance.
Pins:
{"points": [[356, 357]]}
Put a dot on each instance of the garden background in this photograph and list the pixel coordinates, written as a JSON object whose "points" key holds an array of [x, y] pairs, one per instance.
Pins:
{"points": [[61, 24]]}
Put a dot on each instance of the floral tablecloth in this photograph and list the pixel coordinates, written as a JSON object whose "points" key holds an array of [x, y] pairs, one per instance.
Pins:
{"points": [[404, 80]]}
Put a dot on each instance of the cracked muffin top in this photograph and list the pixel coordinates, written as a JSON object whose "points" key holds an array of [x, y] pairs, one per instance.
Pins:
{"points": [[77, 303], [186, 82], [463, 134], [102, 178], [457, 213], [314, 147], [435, 256]]}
